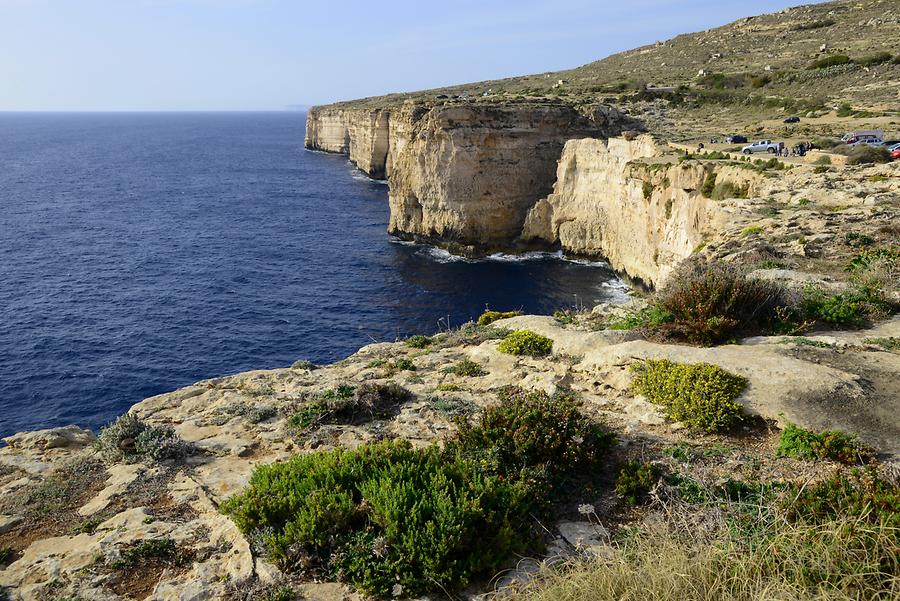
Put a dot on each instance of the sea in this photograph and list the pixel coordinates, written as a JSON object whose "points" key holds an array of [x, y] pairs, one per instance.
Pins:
{"points": [[141, 252]]}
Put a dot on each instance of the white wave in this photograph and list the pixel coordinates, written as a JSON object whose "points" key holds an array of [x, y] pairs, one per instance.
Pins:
{"points": [[440, 255], [529, 256]]}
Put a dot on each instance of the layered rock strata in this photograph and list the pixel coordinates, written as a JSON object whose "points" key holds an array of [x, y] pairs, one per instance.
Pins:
{"points": [[628, 202], [461, 174]]}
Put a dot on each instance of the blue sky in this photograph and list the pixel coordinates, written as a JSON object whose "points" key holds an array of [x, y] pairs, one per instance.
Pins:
{"points": [[269, 54]]}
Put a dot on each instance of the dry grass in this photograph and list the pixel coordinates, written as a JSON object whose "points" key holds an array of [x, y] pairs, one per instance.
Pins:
{"points": [[837, 561]]}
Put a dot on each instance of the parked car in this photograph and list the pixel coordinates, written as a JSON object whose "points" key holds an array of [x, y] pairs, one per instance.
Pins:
{"points": [[792, 120], [867, 142], [895, 151], [889, 143], [763, 146], [736, 139]]}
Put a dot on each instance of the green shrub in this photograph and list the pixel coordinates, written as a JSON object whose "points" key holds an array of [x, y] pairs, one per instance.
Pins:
{"points": [[489, 317], [159, 548], [810, 25], [709, 185], [526, 342], [6, 554], [341, 392], [751, 230], [385, 515], [467, 368], [533, 435], [351, 405], [819, 169], [804, 444], [876, 58], [710, 304], [724, 190], [837, 309], [866, 258], [443, 387], [823, 160], [566, 316], [404, 364], [129, 439], [304, 364], [700, 395], [647, 189], [635, 480], [863, 155], [307, 415], [418, 341], [891, 343], [861, 494], [830, 61], [648, 317]]}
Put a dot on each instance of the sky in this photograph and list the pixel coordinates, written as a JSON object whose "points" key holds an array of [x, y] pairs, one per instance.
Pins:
{"points": [[162, 55]]}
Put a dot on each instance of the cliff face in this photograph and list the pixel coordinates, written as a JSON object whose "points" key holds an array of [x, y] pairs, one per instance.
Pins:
{"points": [[469, 174], [360, 133], [622, 200], [459, 174]]}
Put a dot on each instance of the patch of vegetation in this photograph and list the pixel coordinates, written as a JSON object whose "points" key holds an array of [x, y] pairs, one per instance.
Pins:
{"points": [[467, 368], [398, 521], [304, 364], [418, 341], [131, 439], [810, 25], [891, 343], [752, 230], [832, 60], [709, 185], [803, 341], [725, 190], [351, 405], [836, 309], [647, 188], [565, 316], [446, 387], [819, 169], [57, 492], [699, 395], [160, 548], [860, 494], [635, 480], [877, 58], [526, 342], [404, 364], [711, 304], [253, 413], [837, 446], [648, 317], [489, 317], [868, 257], [863, 155], [857, 239], [6, 554], [823, 160], [452, 407]]}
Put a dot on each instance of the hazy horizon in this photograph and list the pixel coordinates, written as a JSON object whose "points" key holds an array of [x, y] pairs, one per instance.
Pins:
{"points": [[273, 55]]}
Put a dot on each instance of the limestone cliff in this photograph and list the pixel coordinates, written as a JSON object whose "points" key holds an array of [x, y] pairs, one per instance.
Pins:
{"points": [[469, 174], [628, 203], [463, 174], [360, 133]]}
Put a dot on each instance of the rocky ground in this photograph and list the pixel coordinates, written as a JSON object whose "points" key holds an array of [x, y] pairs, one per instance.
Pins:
{"points": [[78, 526]]}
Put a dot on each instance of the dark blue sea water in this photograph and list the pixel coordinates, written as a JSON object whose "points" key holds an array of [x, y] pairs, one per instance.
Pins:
{"points": [[142, 252]]}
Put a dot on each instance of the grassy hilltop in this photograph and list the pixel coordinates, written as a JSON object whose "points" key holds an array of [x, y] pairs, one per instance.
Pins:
{"points": [[808, 60]]}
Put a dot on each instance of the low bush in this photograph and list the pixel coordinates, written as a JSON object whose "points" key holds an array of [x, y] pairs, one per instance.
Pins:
{"points": [[398, 521], [699, 395], [836, 309], [467, 368], [403, 364], [862, 155], [489, 317], [351, 405], [129, 439], [712, 304], [870, 256], [533, 435], [860, 494], [418, 341], [160, 548], [891, 343], [709, 185], [526, 342], [635, 480], [648, 317], [830, 61], [823, 160], [876, 58], [805, 444]]}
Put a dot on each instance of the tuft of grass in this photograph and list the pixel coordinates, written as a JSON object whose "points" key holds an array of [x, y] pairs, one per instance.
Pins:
{"points": [[526, 342], [489, 317], [467, 368], [635, 480], [418, 341], [891, 343], [751, 230], [160, 548], [648, 317], [448, 387], [700, 395], [829, 444], [404, 364]]}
